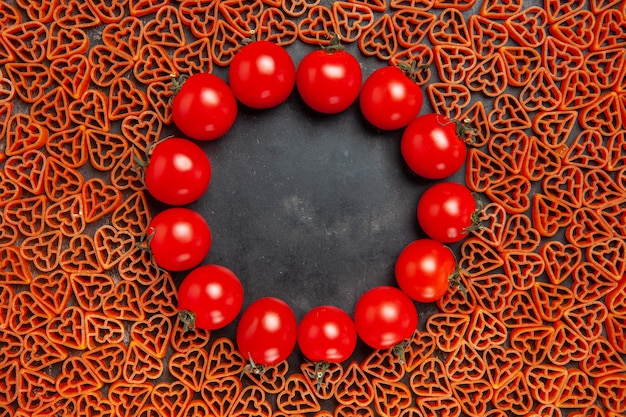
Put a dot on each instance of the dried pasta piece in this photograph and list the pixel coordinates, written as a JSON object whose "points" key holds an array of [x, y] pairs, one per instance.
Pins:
{"points": [[391, 398], [514, 396], [558, 9], [616, 332], [44, 251], [576, 29], [153, 334], [317, 26], [499, 9], [429, 379], [587, 228], [602, 359], [27, 41], [579, 90], [225, 43], [510, 149], [554, 127], [418, 349], [125, 100], [103, 331], [503, 365], [165, 28], [454, 62], [275, 27], [610, 392], [449, 100], [124, 303], [140, 366], [439, 406], [38, 352], [75, 13], [66, 215], [541, 93], [483, 171], [133, 215], [560, 58], [241, 15], [546, 382], [191, 58], [355, 387], [221, 394], [590, 283], [112, 245], [520, 312], [419, 53], [521, 62], [488, 76], [27, 214], [473, 396], [450, 28], [128, 397], [27, 170], [448, 330], [297, 397], [567, 346], [189, 367], [171, 398], [154, 64], [561, 260], [90, 289], [183, 339], [485, 330], [587, 319], [80, 256], [512, 193], [351, 19], [528, 27], [605, 115], [609, 31], [161, 296], [99, 199], [39, 382], [464, 364], [550, 215], [578, 391], [486, 35], [252, 401], [508, 114], [68, 329]]}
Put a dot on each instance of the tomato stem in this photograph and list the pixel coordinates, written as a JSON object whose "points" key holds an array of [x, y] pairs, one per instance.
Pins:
{"points": [[321, 368], [412, 69], [335, 44], [188, 318], [465, 131], [255, 368], [455, 281], [399, 351], [249, 39], [177, 82]]}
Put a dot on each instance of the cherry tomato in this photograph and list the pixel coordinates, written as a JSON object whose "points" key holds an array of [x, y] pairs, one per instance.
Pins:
{"points": [[423, 270], [385, 316], [179, 239], [389, 99], [327, 333], [178, 172], [431, 146], [267, 331], [213, 294], [329, 80], [204, 108], [262, 75], [445, 211]]}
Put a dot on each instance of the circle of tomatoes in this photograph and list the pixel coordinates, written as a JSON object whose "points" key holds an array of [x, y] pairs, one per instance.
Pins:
{"points": [[178, 172], [327, 333], [389, 99], [385, 316], [431, 146], [329, 80], [262, 75], [267, 331], [423, 270], [204, 108], [213, 294], [179, 239], [445, 211]]}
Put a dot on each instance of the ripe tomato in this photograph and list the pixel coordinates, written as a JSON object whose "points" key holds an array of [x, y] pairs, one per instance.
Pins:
{"points": [[431, 146], [213, 294], [423, 270], [178, 172], [327, 333], [329, 80], [267, 331], [390, 99], [179, 239], [204, 108], [262, 75], [445, 211], [384, 316]]}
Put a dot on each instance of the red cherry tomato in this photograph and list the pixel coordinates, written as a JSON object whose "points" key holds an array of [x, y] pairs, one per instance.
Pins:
{"points": [[213, 294], [389, 99], [329, 80], [431, 146], [423, 270], [178, 172], [385, 316], [262, 75], [205, 107], [327, 334], [445, 211], [267, 331], [179, 239]]}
